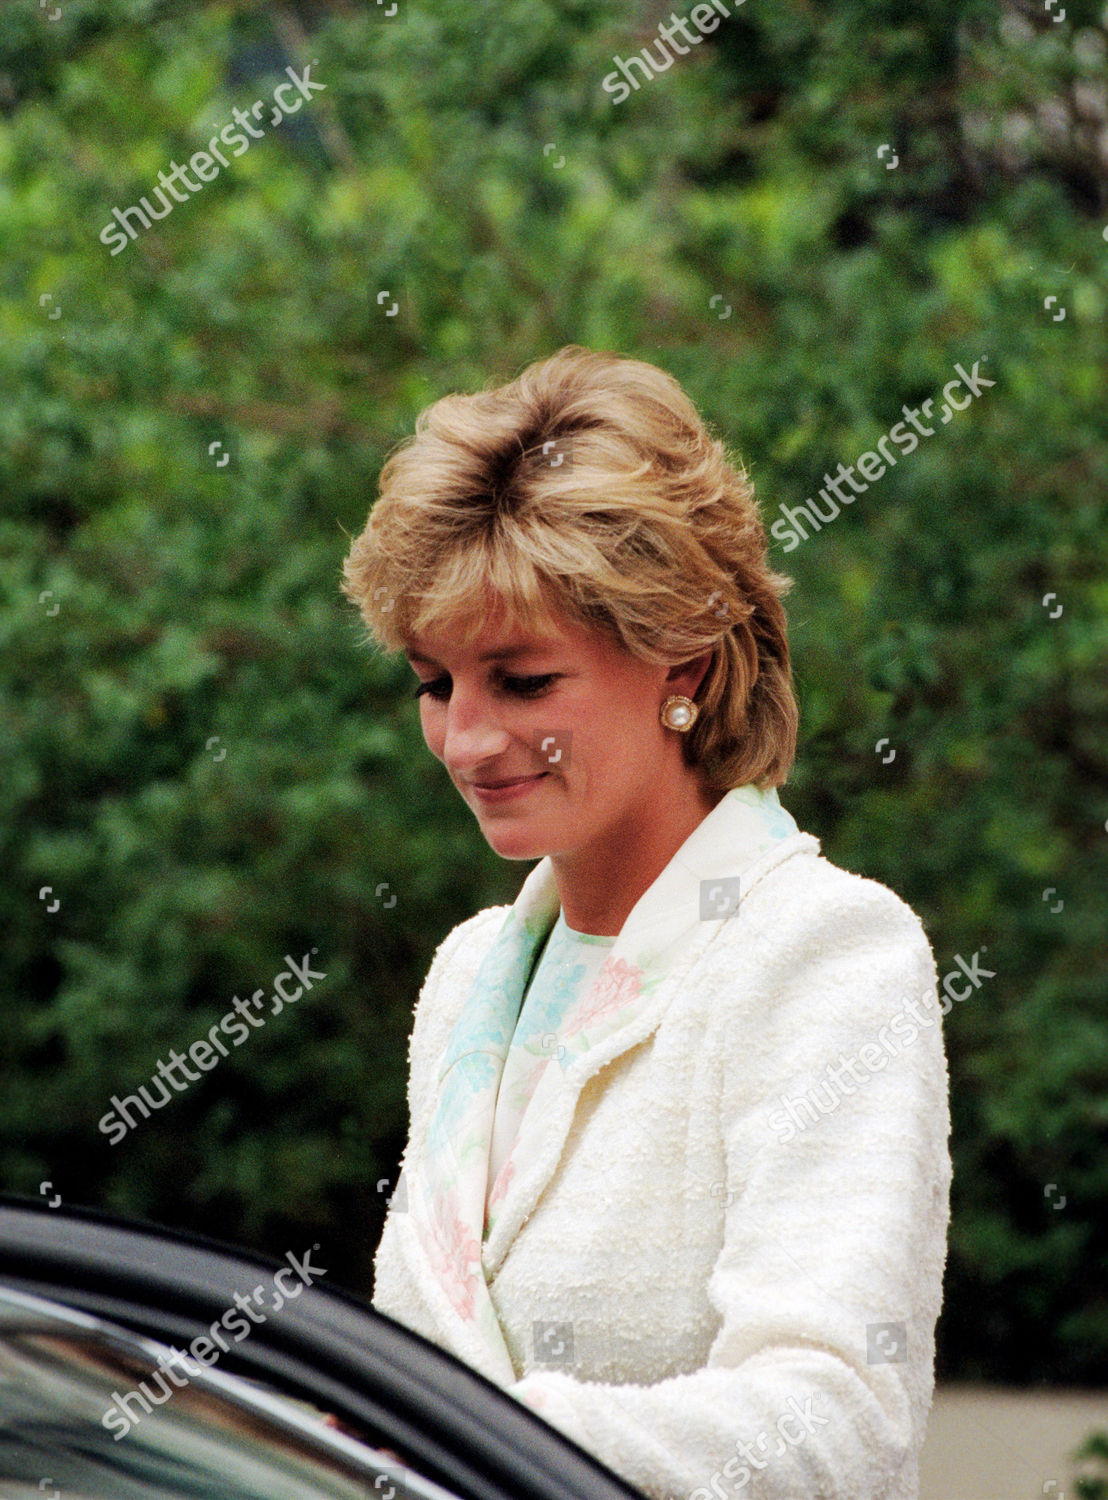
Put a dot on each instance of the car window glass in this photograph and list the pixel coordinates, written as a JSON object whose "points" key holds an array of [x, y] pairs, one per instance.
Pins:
{"points": [[175, 1430]]}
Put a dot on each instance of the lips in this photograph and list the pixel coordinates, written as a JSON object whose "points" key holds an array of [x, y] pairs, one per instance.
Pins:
{"points": [[492, 786]]}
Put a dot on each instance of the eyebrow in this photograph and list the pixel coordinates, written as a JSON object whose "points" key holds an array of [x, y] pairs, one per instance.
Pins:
{"points": [[505, 653]]}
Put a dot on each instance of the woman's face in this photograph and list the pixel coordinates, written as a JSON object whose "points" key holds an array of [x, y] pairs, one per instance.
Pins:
{"points": [[569, 716]]}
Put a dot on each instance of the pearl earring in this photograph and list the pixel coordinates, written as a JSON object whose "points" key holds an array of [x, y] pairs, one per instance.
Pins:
{"points": [[679, 712]]}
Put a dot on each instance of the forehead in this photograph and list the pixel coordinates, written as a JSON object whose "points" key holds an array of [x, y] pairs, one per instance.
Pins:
{"points": [[498, 640], [428, 650]]}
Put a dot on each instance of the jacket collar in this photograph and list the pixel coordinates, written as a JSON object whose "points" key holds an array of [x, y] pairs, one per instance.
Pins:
{"points": [[704, 884]]}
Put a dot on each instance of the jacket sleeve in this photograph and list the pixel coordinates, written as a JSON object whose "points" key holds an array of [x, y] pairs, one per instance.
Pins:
{"points": [[829, 1281]]}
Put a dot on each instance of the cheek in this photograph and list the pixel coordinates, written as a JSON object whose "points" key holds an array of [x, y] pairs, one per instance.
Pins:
{"points": [[434, 730], [598, 755], [624, 750]]}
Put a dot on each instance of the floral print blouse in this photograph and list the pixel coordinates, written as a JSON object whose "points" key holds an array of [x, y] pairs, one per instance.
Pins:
{"points": [[552, 1010]]}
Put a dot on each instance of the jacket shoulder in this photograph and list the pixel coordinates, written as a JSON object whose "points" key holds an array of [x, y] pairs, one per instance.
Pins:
{"points": [[814, 941], [809, 894]]}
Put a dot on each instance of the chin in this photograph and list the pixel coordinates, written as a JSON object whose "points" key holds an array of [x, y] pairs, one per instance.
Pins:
{"points": [[514, 843]]}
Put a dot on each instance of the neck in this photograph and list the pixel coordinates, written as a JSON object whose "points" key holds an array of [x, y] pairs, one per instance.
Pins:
{"points": [[598, 886]]}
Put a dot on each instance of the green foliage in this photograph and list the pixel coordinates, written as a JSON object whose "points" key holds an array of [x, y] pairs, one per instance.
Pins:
{"points": [[208, 768], [1093, 1451]]}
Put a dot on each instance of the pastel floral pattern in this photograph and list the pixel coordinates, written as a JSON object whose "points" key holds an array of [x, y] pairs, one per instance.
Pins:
{"points": [[543, 1013], [560, 987], [470, 1076], [620, 985], [456, 1253], [452, 1209], [496, 1197]]}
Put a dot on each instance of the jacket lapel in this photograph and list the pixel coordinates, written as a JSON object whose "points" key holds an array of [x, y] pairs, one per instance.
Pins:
{"points": [[447, 1181], [663, 937]]}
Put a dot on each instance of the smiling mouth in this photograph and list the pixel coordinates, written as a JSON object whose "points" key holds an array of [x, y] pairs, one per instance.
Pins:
{"points": [[494, 786]]}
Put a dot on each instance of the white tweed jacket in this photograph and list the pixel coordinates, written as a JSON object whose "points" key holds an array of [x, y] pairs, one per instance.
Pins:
{"points": [[722, 1269]]}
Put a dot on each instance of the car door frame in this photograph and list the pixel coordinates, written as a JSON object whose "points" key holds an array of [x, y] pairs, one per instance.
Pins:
{"points": [[327, 1346]]}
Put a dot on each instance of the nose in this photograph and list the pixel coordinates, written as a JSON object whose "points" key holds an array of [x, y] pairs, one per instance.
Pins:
{"points": [[474, 735]]}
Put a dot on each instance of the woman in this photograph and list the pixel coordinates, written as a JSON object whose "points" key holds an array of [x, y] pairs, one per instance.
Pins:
{"points": [[632, 1194]]}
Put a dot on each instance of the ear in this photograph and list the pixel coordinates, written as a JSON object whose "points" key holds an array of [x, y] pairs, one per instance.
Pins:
{"points": [[687, 677]]}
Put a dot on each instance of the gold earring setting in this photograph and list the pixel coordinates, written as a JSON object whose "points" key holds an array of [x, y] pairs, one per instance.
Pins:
{"points": [[679, 712]]}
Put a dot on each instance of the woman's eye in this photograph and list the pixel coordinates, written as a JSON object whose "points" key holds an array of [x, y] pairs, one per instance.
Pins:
{"points": [[528, 687], [520, 687]]}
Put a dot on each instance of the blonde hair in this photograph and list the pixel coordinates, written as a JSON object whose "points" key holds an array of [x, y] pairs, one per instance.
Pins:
{"points": [[589, 487]]}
